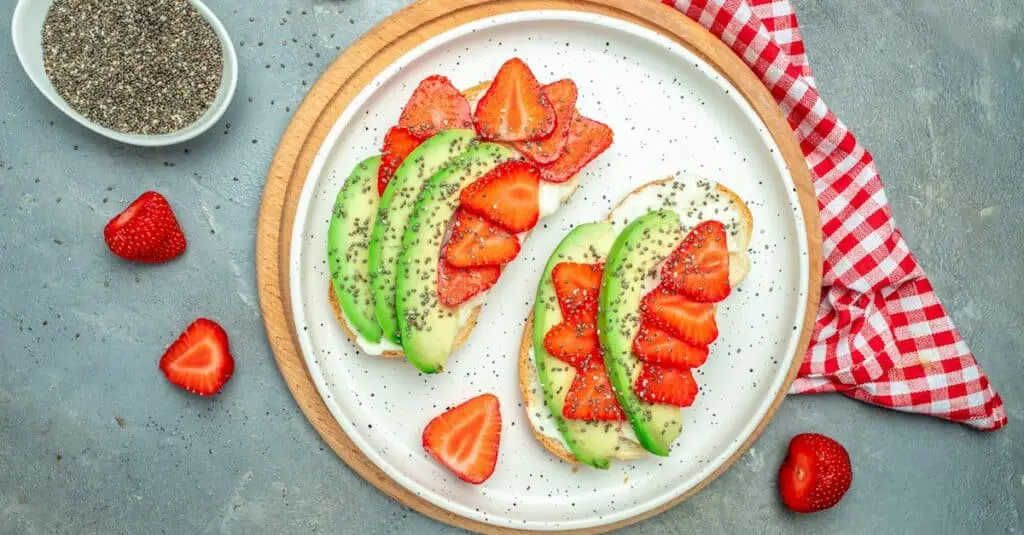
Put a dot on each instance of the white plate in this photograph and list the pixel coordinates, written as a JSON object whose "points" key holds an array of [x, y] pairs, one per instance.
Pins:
{"points": [[669, 111]]}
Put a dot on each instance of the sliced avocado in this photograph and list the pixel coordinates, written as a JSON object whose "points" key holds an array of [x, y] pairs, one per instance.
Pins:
{"points": [[348, 245], [393, 213], [593, 443], [427, 327], [634, 257]]}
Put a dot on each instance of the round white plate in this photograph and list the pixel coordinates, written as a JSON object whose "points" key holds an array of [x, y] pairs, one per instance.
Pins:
{"points": [[670, 111]]}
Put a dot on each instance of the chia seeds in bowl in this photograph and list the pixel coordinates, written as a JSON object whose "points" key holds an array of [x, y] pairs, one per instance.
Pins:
{"points": [[135, 66]]}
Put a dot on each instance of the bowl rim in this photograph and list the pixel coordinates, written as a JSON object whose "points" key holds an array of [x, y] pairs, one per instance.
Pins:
{"points": [[229, 82]]}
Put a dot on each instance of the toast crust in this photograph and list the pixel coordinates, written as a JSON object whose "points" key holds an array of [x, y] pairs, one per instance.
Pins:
{"points": [[534, 401]]}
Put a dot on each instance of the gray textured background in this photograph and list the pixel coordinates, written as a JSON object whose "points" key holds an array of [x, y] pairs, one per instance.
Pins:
{"points": [[932, 87]]}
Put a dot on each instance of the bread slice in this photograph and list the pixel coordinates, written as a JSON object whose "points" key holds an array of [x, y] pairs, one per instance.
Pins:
{"points": [[529, 386]]}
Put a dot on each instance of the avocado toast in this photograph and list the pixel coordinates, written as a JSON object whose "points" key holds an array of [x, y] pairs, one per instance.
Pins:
{"points": [[461, 181], [624, 310]]}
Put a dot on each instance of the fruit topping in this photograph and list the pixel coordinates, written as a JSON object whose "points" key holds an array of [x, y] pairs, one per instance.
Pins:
{"points": [[655, 346], [508, 196], [573, 341], [465, 439], [434, 106], [662, 384], [562, 96], [474, 242], [457, 285], [683, 318], [398, 143], [699, 267], [590, 396], [146, 231], [514, 108], [576, 287], [587, 139]]}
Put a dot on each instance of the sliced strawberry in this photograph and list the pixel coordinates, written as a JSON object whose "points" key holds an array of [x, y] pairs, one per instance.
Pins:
{"points": [[398, 143], [587, 139], [692, 321], [475, 242], [508, 196], [576, 287], [199, 361], [662, 384], [514, 108], [655, 346], [574, 342], [465, 439], [434, 106], [562, 96], [591, 397], [699, 267], [146, 231], [457, 285]]}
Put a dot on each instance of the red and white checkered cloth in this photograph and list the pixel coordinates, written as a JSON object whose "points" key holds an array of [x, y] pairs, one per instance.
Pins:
{"points": [[881, 334]]}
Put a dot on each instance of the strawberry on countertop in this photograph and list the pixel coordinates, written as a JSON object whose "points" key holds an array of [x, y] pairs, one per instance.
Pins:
{"points": [[815, 474], [199, 361], [465, 439], [146, 231]]}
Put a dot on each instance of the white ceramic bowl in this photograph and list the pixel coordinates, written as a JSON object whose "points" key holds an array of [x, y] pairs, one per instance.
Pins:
{"points": [[27, 32]]}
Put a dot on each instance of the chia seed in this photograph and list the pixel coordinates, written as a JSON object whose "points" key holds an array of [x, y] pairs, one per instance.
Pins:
{"points": [[135, 66]]}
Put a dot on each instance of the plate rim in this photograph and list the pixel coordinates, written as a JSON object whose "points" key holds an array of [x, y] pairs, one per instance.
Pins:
{"points": [[707, 52]]}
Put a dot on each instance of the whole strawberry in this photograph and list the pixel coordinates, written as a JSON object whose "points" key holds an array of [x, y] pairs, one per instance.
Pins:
{"points": [[815, 474], [146, 231]]}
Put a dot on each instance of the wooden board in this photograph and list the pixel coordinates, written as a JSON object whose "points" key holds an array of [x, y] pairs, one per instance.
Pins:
{"points": [[356, 67]]}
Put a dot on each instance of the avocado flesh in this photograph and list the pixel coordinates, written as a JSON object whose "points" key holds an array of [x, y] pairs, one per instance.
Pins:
{"points": [[396, 205], [427, 327], [348, 245], [636, 254], [593, 443]]}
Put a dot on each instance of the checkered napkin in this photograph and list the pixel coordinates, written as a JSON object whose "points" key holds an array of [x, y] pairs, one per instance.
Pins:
{"points": [[881, 335]]}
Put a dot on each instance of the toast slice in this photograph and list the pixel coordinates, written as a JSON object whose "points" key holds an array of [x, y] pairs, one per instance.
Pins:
{"points": [[542, 423]]}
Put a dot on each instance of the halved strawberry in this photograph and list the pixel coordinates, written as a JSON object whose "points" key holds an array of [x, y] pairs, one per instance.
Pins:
{"points": [[474, 242], [655, 346], [692, 321], [147, 231], [662, 384], [434, 106], [398, 143], [199, 361], [457, 285], [699, 267], [508, 196], [591, 398], [587, 139], [562, 96], [576, 287], [574, 342], [465, 439], [514, 108]]}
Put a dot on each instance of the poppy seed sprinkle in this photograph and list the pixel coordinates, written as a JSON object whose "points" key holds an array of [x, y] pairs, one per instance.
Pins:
{"points": [[135, 66]]}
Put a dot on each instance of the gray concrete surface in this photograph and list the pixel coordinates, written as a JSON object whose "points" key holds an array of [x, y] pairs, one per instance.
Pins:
{"points": [[92, 440]]}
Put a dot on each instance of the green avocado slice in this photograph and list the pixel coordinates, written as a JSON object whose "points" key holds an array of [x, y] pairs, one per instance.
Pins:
{"points": [[428, 328], [637, 252], [393, 213], [348, 245]]}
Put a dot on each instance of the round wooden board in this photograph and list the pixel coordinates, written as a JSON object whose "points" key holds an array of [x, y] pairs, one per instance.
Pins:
{"points": [[355, 68]]}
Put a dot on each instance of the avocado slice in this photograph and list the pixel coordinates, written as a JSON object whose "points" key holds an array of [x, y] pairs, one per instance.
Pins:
{"points": [[348, 245], [427, 327], [634, 257], [393, 213], [593, 443]]}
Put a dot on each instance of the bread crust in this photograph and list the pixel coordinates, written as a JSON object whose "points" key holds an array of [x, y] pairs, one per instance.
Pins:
{"points": [[534, 401]]}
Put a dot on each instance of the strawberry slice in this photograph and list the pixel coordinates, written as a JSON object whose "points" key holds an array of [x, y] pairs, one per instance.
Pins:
{"points": [[146, 231], [699, 267], [514, 108], [576, 287], [662, 384], [587, 139], [465, 439], [591, 397], [199, 361], [398, 143], [474, 242], [457, 285], [655, 346], [574, 342], [434, 106], [508, 196], [692, 321], [562, 96]]}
